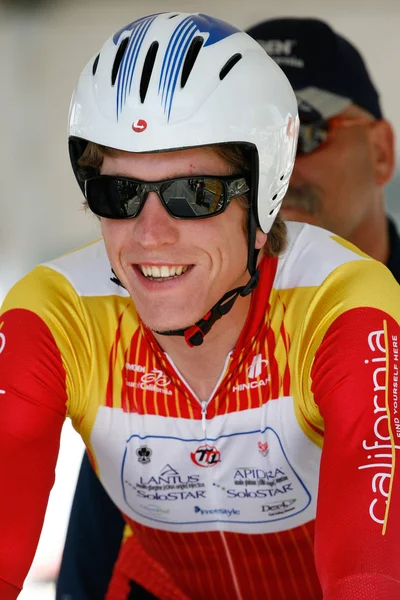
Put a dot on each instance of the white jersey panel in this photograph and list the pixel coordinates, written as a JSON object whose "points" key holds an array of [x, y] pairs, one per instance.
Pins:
{"points": [[252, 471], [305, 242], [88, 270]]}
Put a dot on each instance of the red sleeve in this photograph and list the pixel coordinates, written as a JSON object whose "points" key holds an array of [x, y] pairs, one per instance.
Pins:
{"points": [[355, 384], [32, 411]]}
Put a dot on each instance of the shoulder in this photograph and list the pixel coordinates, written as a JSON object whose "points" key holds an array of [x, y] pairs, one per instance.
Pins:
{"points": [[331, 275], [71, 292], [87, 270], [312, 254], [84, 272]]}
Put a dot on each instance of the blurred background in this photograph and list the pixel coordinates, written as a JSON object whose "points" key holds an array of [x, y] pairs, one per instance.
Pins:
{"points": [[44, 44]]}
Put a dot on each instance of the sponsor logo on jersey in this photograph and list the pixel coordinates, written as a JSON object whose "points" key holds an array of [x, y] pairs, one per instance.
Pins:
{"points": [[144, 453], [171, 496], [170, 478], [258, 483], [169, 485], [253, 372], [206, 456], [380, 452], [133, 367], [157, 510], [226, 512], [154, 381], [279, 508], [263, 448], [260, 493]]}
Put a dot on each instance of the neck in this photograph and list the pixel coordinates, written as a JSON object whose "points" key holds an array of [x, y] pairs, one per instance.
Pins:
{"points": [[201, 366], [372, 236]]}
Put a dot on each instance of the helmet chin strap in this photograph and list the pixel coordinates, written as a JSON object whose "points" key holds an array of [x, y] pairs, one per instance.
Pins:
{"points": [[194, 334]]}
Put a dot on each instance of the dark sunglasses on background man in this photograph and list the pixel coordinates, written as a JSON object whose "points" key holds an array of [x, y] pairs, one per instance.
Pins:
{"points": [[183, 197], [313, 133]]}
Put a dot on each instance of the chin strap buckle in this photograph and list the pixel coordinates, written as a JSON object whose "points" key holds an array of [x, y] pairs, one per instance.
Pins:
{"points": [[194, 335]]}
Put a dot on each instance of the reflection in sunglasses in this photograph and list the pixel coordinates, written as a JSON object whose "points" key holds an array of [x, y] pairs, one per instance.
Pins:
{"points": [[116, 197]]}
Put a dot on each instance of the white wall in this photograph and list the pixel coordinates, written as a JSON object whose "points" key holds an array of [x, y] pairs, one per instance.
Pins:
{"points": [[41, 56]]}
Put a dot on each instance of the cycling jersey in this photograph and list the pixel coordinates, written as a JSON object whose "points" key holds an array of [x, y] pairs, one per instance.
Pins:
{"points": [[221, 497]]}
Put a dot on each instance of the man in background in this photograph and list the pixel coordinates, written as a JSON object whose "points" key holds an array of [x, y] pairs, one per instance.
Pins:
{"points": [[345, 159], [346, 148]]}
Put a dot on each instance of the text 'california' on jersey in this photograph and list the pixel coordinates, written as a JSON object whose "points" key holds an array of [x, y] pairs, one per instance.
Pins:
{"points": [[288, 469]]}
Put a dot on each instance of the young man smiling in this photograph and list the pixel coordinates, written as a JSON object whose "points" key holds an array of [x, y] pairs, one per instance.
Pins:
{"points": [[221, 371]]}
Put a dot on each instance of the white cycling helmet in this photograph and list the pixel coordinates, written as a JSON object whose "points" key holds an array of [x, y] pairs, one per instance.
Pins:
{"points": [[181, 80]]}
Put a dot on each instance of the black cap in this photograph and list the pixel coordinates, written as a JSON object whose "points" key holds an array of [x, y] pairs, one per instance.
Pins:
{"points": [[324, 69]]}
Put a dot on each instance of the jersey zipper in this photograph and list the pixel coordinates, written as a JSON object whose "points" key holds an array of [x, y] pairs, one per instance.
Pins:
{"points": [[203, 403], [204, 416]]}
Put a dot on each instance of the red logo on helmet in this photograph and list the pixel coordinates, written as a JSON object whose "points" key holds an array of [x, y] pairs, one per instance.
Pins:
{"points": [[139, 125]]}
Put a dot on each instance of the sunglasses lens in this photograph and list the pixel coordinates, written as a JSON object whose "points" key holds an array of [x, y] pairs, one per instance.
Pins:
{"points": [[311, 136], [193, 197], [184, 198], [113, 198]]}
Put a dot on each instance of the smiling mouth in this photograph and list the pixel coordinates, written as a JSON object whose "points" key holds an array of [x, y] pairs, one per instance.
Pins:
{"points": [[162, 272]]}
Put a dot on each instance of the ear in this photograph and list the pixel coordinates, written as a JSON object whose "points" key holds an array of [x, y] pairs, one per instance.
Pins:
{"points": [[383, 146], [261, 238]]}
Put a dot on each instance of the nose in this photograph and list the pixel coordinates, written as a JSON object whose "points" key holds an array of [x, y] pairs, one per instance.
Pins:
{"points": [[154, 227]]}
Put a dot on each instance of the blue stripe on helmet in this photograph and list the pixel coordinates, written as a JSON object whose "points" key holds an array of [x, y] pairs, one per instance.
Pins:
{"points": [[180, 40], [135, 55], [133, 25], [127, 67], [217, 29], [172, 63], [180, 54], [169, 52], [178, 44], [124, 68]]}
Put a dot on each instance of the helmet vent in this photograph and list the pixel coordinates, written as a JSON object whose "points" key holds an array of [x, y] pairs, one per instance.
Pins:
{"points": [[228, 66], [118, 59], [147, 70], [190, 59], [172, 16], [95, 63]]}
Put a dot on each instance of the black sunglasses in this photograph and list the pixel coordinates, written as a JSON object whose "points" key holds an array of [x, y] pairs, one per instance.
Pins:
{"points": [[184, 197], [314, 133], [311, 135]]}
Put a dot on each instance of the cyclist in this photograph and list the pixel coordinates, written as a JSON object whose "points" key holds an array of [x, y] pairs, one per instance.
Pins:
{"points": [[277, 346], [325, 183]]}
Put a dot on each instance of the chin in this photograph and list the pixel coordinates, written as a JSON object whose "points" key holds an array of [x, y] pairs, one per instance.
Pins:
{"points": [[168, 324]]}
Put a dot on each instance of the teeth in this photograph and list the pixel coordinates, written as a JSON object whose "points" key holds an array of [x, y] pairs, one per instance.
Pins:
{"points": [[163, 271]]}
